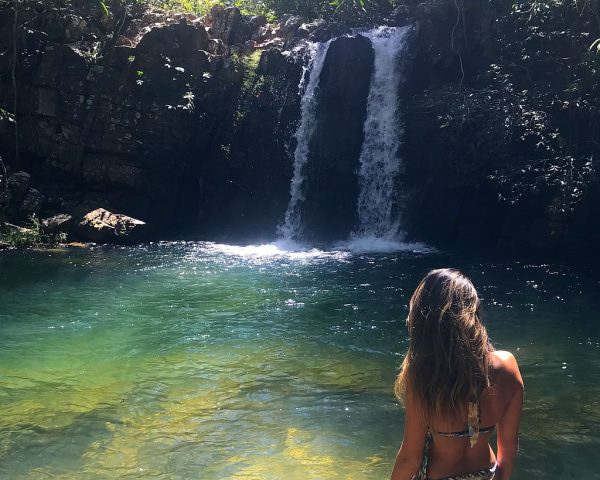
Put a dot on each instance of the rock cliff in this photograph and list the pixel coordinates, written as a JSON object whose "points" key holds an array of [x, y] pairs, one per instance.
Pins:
{"points": [[187, 123]]}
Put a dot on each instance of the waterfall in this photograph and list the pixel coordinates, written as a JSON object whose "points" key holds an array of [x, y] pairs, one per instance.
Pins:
{"points": [[309, 83], [379, 161]]}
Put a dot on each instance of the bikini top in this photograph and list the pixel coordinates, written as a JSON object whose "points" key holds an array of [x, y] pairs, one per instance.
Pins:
{"points": [[473, 429]]}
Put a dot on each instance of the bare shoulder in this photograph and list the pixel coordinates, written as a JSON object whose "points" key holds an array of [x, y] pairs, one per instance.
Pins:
{"points": [[506, 365]]}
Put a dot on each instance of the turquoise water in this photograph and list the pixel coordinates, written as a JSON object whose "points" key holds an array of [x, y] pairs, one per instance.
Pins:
{"points": [[205, 361]]}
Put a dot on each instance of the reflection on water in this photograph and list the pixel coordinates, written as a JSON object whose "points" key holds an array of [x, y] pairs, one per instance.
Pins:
{"points": [[199, 360]]}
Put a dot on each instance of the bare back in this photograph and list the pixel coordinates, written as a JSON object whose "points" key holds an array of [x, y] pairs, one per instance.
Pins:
{"points": [[500, 405]]}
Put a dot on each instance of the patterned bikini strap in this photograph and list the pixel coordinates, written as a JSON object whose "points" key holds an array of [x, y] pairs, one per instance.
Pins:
{"points": [[473, 423]]}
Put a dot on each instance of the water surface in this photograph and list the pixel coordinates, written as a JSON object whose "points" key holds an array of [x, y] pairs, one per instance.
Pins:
{"points": [[205, 361]]}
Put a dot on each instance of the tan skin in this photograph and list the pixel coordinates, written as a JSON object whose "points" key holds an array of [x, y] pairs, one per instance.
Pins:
{"points": [[501, 405]]}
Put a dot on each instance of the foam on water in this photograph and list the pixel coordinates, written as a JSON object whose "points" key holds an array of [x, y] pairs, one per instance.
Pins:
{"points": [[296, 251], [374, 244], [286, 249]]}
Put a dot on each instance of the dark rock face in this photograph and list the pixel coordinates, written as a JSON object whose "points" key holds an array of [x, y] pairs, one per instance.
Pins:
{"points": [[162, 124], [32, 202], [122, 130], [23, 200], [228, 24], [18, 183], [331, 182], [253, 158]]}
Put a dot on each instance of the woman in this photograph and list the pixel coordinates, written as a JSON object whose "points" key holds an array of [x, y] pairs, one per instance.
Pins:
{"points": [[456, 388]]}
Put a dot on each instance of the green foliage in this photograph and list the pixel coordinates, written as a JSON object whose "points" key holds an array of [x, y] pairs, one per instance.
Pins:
{"points": [[30, 235], [104, 7], [247, 64], [531, 123], [22, 236], [351, 11]]}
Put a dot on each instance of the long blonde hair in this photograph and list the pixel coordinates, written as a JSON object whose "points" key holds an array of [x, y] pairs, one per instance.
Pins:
{"points": [[447, 362]]}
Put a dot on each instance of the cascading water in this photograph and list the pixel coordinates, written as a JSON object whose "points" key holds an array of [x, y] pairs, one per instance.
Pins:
{"points": [[379, 161], [309, 83], [378, 226]]}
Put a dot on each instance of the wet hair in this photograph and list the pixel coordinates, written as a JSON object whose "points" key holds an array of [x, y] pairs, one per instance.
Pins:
{"points": [[447, 362]]}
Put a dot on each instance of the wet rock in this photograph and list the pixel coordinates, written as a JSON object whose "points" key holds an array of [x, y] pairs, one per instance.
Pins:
{"points": [[331, 181], [103, 226]]}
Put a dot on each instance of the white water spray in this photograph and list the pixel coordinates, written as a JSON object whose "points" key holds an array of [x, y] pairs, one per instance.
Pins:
{"points": [[308, 87], [379, 161]]}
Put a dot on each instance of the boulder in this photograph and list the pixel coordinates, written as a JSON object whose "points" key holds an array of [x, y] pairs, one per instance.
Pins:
{"points": [[58, 223], [103, 226], [178, 40]]}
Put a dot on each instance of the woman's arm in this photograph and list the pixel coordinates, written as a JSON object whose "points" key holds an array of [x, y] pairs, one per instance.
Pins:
{"points": [[508, 426], [410, 454]]}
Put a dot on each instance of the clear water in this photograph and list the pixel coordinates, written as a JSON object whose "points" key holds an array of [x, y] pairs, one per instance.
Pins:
{"points": [[200, 361]]}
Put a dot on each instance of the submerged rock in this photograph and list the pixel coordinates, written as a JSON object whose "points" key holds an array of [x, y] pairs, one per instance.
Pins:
{"points": [[103, 226]]}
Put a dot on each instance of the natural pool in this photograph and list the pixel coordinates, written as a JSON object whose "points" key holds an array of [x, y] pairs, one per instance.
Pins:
{"points": [[205, 361]]}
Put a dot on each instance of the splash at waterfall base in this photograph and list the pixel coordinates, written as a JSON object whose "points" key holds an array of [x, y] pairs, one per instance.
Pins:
{"points": [[189, 125]]}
